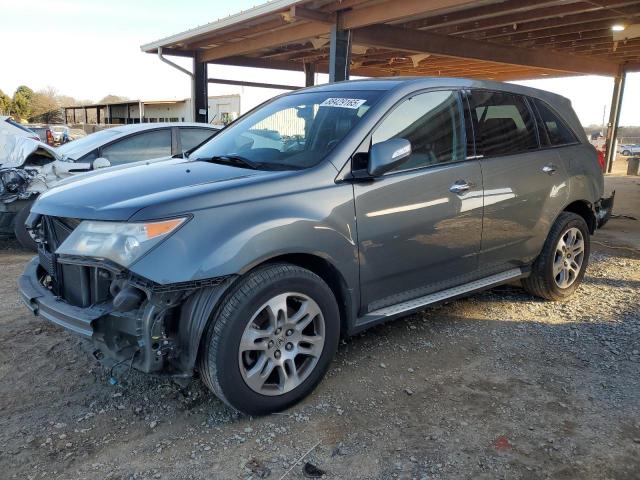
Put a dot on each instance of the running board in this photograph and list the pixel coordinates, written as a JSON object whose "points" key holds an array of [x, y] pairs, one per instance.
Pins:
{"points": [[437, 297]]}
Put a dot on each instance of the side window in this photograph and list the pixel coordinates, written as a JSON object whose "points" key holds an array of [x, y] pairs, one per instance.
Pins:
{"points": [[89, 157], [557, 132], [502, 122], [431, 122], [142, 146], [190, 137]]}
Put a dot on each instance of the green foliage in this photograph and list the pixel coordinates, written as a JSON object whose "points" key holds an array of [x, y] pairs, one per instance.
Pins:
{"points": [[22, 98], [5, 103]]}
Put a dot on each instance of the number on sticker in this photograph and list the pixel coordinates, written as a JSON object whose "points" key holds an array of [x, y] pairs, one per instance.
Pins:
{"points": [[353, 103]]}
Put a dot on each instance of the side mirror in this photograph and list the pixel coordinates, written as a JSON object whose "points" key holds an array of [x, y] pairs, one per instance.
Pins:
{"points": [[100, 162], [387, 155]]}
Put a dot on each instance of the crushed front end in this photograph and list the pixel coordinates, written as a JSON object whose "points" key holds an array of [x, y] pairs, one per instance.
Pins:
{"points": [[127, 317]]}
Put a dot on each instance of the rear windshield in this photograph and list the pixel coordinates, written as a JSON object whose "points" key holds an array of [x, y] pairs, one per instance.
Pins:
{"points": [[292, 132]]}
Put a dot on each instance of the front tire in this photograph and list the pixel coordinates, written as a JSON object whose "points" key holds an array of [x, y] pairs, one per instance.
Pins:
{"points": [[626, 153], [20, 230], [271, 340], [560, 267]]}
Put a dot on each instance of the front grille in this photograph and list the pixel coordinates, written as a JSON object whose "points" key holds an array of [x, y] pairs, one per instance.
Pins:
{"points": [[79, 285]]}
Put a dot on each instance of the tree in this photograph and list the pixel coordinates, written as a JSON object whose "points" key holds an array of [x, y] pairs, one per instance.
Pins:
{"points": [[5, 103], [21, 105], [113, 99], [45, 106], [67, 101]]}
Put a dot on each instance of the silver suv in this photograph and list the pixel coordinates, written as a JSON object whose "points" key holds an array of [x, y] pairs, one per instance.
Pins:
{"points": [[319, 214]]}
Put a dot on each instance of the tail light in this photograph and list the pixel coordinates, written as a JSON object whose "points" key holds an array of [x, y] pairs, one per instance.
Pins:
{"points": [[49, 137], [601, 159]]}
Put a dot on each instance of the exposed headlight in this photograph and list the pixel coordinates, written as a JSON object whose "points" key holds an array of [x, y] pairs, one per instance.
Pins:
{"points": [[122, 243]]}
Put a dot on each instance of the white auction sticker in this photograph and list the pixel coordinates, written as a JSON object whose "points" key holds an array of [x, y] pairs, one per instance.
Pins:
{"points": [[343, 102]]}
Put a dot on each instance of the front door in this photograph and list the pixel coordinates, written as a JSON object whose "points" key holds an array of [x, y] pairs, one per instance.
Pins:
{"points": [[419, 226]]}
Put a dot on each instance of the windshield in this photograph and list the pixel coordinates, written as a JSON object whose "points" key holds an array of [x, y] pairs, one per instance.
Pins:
{"points": [[79, 147], [292, 132]]}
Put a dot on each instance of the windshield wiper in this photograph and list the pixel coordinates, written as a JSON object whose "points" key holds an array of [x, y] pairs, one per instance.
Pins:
{"points": [[236, 161]]}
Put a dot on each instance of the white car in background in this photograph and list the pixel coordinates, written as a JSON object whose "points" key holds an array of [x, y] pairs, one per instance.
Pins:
{"points": [[629, 150], [29, 167]]}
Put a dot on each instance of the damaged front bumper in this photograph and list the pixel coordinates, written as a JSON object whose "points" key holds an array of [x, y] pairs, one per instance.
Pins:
{"points": [[158, 330]]}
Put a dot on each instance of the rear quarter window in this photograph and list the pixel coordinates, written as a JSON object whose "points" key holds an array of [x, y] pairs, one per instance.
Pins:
{"points": [[552, 126]]}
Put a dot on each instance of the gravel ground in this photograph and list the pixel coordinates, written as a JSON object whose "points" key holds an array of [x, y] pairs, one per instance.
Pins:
{"points": [[498, 385]]}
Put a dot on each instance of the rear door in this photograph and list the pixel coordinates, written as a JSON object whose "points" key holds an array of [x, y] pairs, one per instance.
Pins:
{"points": [[419, 226], [524, 185]]}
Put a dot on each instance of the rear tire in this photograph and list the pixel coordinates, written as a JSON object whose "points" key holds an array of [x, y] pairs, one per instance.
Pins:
{"points": [[21, 232], [626, 153], [271, 340], [560, 267]]}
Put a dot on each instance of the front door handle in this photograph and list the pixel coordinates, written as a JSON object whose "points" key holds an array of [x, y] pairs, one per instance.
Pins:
{"points": [[549, 169], [460, 186]]}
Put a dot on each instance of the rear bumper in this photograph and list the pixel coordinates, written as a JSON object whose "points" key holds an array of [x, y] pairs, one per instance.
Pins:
{"points": [[604, 209]]}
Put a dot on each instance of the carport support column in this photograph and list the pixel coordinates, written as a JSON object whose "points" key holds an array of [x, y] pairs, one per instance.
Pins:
{"points": [[614, 117], [200, 90], [309, 74], [339, 51]]}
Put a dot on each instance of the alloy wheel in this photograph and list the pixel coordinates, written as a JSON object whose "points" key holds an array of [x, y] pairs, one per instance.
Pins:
{"points": [[281, 344], [569, 257]]}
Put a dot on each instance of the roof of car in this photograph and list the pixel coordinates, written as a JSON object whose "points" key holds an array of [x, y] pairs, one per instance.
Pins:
{"points": [[140, 127], [390, 83], [78, 148]]}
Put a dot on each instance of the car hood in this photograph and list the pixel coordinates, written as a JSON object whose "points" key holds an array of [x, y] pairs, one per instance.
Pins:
{"points": [[118, 194], [15, 150]]}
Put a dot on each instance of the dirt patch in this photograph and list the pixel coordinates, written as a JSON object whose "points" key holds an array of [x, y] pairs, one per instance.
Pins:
{"points": [[498, 385]]}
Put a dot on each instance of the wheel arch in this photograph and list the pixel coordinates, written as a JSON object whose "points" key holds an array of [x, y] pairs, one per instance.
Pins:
{"points": [[200, 308], [330, 274], [585, 210]]}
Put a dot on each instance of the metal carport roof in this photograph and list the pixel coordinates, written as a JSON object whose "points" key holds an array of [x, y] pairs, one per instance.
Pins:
{"points": [[487, 39]]}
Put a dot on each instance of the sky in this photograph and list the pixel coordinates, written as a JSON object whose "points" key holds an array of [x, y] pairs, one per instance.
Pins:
{"points": [[90, 48]]}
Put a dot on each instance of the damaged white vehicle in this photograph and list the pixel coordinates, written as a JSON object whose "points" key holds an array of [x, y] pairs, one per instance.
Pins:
{"points": [[28, 168]]}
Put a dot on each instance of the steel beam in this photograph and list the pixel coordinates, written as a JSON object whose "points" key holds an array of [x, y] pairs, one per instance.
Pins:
{"points": [[309, 74], [243, 83], [200, 91], [339, 51], [386, 36], [614, 117]]}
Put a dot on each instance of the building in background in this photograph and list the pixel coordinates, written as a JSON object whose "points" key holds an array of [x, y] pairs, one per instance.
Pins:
{"points": [[222, 110]]}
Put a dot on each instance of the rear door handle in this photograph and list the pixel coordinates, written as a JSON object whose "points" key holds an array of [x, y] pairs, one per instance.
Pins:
{"points": [[460, 186], [549, 169]]}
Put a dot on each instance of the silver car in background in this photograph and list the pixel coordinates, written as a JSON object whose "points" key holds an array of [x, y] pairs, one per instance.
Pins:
{"points": [[34, 168]]}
